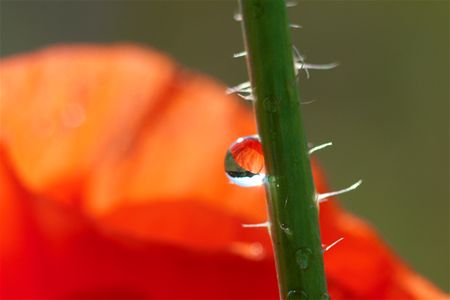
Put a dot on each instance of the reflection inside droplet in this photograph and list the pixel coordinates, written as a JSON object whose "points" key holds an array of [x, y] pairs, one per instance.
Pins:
{"points": [[244, 162]]}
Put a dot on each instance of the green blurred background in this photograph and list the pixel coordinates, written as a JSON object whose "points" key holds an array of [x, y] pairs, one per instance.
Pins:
{"points": [[386, 107]]}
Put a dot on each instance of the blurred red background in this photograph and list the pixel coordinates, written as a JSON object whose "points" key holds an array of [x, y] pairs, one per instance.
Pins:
{"points": [[112, 186]]}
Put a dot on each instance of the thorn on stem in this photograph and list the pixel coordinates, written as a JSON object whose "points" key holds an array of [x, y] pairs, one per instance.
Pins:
{"points": [[304, 66], [240, 54], [247, 97], [326, 248], [237, 16], [257, 225], [308, 102], [291, 3], [295, 26], [324, 197], [319, 147], [242, 87]]}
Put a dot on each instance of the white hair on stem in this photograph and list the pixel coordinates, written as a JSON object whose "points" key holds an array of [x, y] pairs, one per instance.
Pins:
{"points": [[319, 147], [324, 197], [257, 225], [332, 245]]}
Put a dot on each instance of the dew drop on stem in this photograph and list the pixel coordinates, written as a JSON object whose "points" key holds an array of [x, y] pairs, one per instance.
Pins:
{"points": [[303, 257], [244, 162]]}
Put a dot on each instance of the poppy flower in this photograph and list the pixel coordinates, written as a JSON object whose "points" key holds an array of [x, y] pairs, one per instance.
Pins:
{"points": [[112, 186]]}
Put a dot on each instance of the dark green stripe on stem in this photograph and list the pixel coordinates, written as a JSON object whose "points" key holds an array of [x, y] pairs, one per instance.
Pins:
{"points": [[290, 189]]}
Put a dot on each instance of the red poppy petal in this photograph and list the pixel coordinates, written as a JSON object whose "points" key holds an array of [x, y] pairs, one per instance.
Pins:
{"points": [[121, 192], [75, 260], [148, 133]]}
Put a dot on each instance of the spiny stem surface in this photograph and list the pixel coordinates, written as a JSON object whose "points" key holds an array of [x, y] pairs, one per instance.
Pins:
{"points": [[291, 196]]}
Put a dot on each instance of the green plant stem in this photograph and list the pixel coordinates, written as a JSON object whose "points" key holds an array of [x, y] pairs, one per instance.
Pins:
{"points": [[293, 213]]}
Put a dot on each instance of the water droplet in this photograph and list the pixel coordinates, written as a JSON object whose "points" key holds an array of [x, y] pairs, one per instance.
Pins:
{"points": [[292, 294], [244, 162], [273, 180], [296, 294], [325, 296], [285, 229], [303, 256]]}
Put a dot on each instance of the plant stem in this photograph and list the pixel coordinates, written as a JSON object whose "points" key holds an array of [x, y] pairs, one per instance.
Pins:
{"points": [[291, 196]]}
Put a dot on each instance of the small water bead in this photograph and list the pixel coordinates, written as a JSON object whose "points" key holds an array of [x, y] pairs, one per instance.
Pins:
{"points": [[296, 294], [303, 256], [292, 294], [286, 229], [325, 296], [244, 162]]}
